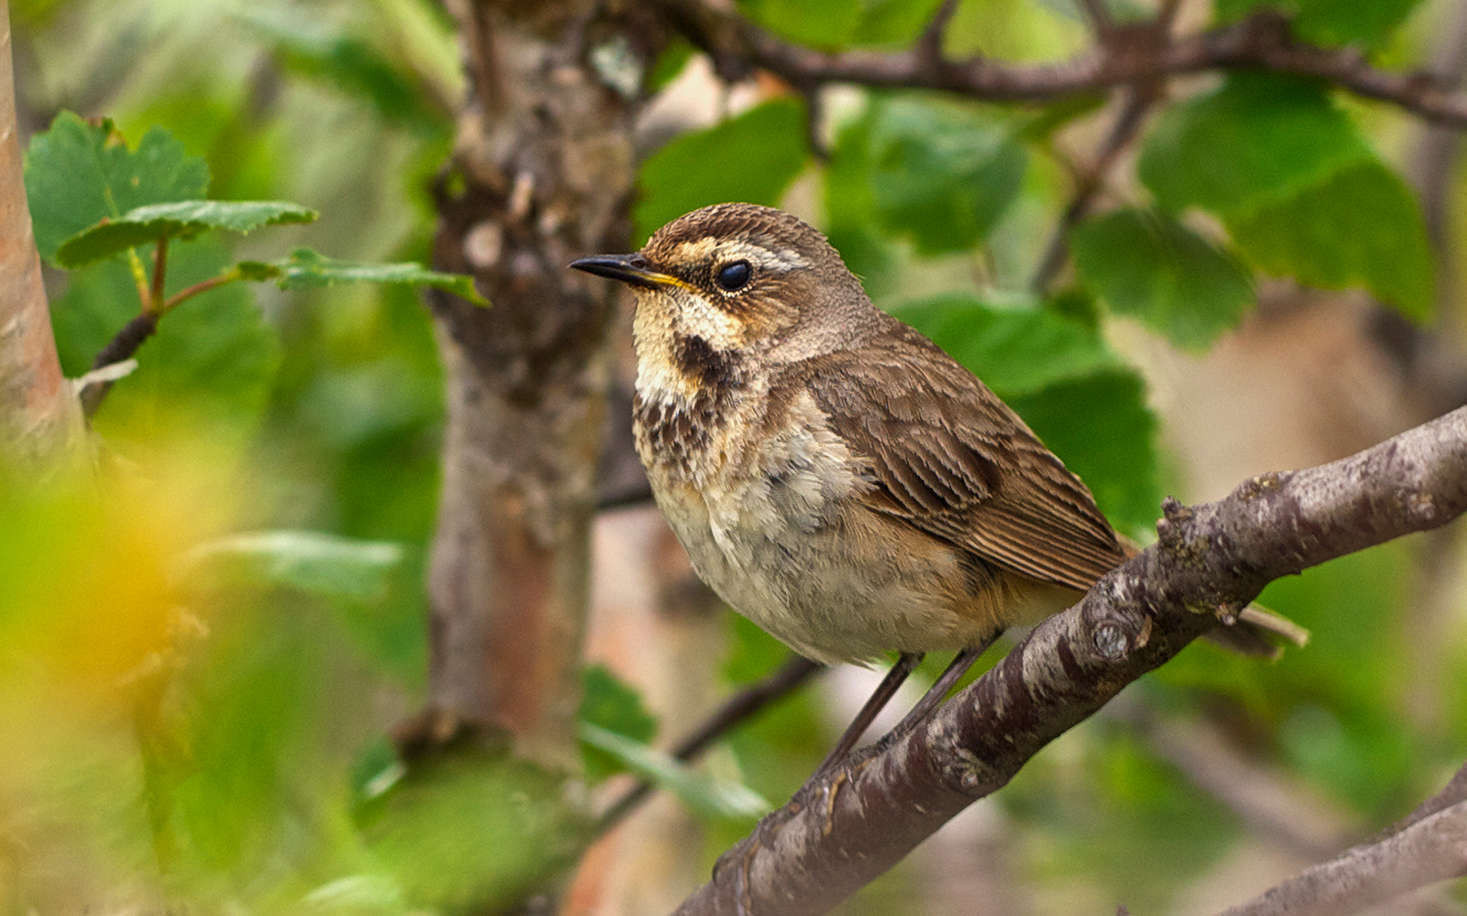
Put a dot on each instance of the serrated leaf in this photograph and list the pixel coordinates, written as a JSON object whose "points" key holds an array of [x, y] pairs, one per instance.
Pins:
{"points": [[1300, 191], [1362, 227], [184, 218], [1150, 266], [77, 174], [308, 561], [941, 174], [210, 362], [705, 795], [1013, 350], [750, 158], [609, 703], [1329, 22], [307, 269]]}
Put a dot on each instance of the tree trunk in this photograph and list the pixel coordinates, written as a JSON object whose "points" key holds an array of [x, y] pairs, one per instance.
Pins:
{"points": [[542, 174], [39, 417]]}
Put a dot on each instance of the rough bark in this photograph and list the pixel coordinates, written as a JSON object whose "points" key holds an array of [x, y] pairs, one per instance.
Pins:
{"points": [[841, 832], [542, 174], [39, 416]]}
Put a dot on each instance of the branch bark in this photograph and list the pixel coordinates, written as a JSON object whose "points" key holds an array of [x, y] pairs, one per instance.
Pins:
{"points": [[1263, 41], [39, 416], [1210, 560], [1425, 851]]}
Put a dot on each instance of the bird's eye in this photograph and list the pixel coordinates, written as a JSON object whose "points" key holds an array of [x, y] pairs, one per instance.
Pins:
{"points": [[733, 275]]}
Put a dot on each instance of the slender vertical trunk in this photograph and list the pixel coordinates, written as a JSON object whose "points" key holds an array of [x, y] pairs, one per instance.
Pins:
{"points": [[542, 173], [39, 416]]}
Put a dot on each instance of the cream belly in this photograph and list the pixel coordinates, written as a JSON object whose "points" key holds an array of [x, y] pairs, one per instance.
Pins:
{"points": [[787, 545]]}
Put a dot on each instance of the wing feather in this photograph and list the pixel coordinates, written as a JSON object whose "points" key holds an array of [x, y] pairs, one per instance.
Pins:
{"points": [[943, 453]]}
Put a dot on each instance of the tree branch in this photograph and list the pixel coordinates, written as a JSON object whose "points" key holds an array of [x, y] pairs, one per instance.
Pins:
{"points": [[1211, 560], [1263, 41], [1424, 852], [734, 711]]}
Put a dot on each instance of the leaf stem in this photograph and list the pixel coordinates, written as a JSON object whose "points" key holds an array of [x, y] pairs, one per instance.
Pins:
{"points": [[229, 276], [160, 265], [139, 276]]}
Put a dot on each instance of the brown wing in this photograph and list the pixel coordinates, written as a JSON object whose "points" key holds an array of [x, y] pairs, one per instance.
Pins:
{"points": [[947, 456]]}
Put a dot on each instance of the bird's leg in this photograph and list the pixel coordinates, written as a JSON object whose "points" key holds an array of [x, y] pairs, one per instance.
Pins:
{"points": [[884, 692], [933, 698]]}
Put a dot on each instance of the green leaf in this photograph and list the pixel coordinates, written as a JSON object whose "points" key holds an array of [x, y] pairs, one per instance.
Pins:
{"points": [[1362, 227], [1013, 350], [893, 23], [1057, 373], [210, 362], [1298, 188], [306, 269], [1255, 139], [1101, 428], [307, 561], [77, 174], [705, 795], [1329, 22], [850, 206], [941, 173], [817, 23], [1148, 265], [609, 703], [185, 218], [750, 158]]}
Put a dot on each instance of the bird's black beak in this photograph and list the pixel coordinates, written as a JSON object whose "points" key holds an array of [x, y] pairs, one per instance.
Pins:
{"points": [[628, 268]]}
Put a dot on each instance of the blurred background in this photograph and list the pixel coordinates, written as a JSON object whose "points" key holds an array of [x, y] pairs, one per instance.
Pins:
{"points": [[202, 668]]}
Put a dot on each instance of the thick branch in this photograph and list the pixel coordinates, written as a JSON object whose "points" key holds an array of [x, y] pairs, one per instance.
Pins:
{"points": [[838, 834], [1263, 41]]}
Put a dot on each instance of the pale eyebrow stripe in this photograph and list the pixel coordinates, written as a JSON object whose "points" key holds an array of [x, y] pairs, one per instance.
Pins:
{"points": [[708, 246]]}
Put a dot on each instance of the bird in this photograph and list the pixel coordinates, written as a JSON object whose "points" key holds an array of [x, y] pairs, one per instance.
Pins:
{"points": [[833, 474]]}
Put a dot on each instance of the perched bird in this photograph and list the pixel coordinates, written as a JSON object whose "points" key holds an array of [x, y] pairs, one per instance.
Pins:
{"points": [[834, 475]]}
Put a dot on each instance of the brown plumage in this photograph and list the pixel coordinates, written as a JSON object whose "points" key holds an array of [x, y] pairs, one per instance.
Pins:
{"points": [[833, 474]]}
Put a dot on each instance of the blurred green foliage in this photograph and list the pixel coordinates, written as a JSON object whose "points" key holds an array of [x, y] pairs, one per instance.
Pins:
{"points": [[233, 637]]}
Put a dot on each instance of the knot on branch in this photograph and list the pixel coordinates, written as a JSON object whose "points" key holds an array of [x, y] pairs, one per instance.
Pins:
{"points": [[1122, 627], [1174, 517]]}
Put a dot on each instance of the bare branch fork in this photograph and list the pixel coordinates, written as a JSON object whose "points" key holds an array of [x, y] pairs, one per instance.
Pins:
{"points": [[1263, 41], [820, 847]]}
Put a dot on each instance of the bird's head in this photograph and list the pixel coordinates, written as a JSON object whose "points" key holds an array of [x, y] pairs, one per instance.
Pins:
{"points": [[740, 279]]}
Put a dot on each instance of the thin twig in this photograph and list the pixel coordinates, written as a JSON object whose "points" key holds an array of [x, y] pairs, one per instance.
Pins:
{"points": [[203, 286], [929, 43], [1262, 41], [734, 711], [1127, 125], [1098, 15], [1423, 852], [1452, 793], [122, 346]]}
